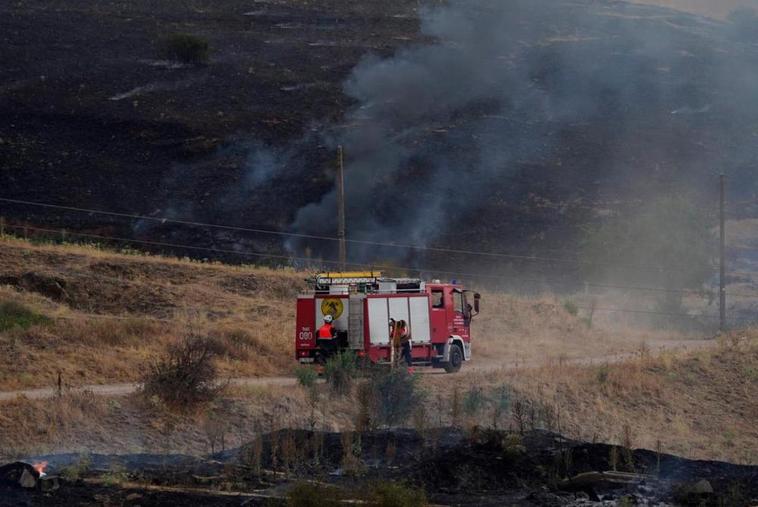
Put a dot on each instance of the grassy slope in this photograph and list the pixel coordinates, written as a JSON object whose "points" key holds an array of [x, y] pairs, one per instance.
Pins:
{"points": [[109, 314], [697, 404]]}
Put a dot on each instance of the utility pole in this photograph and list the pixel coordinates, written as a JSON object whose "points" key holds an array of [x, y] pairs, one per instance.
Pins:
{"points": [[722, 255], [341, 208]]}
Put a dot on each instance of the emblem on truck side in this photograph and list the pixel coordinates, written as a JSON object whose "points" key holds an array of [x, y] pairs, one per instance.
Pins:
{"points": [[333, 307]]}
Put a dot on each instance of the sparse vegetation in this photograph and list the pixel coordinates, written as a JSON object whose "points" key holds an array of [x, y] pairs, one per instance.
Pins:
{"points": [[473, 401], [340, 371], [306, 376], [307, 494], [745, 23], [571, 307], [397, 394], [396, 494], [667, 244], [16, 315], [186, 375], [142, 304], [77, 470], [186, 48]]}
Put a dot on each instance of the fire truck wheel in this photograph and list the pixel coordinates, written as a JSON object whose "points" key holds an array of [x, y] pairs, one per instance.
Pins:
{"points": [[456, 359]]}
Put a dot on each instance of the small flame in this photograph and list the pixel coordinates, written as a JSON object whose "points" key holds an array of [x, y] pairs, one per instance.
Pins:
{"points": [[40, 468]]}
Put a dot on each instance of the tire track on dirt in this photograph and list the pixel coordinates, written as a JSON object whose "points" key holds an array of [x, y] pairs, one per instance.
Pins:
{"points": [[124, 389]]}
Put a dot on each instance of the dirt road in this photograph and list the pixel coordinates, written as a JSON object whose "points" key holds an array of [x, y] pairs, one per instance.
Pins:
{"points": [[478, 366]]}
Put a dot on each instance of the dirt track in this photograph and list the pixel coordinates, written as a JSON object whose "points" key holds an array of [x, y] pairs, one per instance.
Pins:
{"points": [[128, 388]]}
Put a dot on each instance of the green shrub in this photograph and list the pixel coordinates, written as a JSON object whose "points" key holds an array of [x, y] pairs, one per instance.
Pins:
{"points": [[306, 494], [340, 371], [397, 394], [186, 48], [394, 494], [306, 376], [473, 401], [78, 470], [501, 400], [13, 314], [571, 308]]}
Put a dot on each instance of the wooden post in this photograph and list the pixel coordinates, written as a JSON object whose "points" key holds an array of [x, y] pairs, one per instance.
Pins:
{"points": [[722, 255], [341, 208]]}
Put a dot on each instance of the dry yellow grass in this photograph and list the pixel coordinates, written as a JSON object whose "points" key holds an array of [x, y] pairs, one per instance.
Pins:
{"points": [[111, 313], [696, 404], [85, 423], [519, 330]]}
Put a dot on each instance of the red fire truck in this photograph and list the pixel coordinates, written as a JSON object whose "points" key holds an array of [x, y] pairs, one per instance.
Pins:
{"points": [[438, 315]]}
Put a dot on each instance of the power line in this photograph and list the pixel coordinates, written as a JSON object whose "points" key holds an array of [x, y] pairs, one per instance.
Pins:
{"points": [[528, 258], [164, 220], [170, 245], [334, 262], [156, 319], [370, 266]]}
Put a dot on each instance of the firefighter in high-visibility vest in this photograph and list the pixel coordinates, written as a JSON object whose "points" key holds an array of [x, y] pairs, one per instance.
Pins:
{"points": [[404, 339], [326, 338], [327, 331]]}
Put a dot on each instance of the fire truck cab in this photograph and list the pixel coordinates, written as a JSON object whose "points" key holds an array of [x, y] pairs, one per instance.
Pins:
{"points": [[438, 316]]}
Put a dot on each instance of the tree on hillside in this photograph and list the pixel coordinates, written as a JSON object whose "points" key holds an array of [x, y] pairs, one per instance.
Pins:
{"points": [[744, 22], [669, 244]]}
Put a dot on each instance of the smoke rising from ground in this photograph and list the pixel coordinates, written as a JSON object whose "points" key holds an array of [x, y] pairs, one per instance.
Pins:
{"points": [[599, 99]]}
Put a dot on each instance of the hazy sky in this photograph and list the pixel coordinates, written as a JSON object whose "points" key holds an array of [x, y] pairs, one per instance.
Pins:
{"points": [[714, 8]]}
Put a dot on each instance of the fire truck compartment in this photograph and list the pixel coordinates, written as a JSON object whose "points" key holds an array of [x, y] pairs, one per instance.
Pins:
{"points": [[412, 309]]}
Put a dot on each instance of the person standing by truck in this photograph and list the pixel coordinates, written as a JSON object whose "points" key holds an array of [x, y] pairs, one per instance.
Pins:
{"points": [[327, 337], [404, 341]]}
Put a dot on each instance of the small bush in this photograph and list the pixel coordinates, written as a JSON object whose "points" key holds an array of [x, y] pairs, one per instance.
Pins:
{"points": [[473, 401], [602, 374], [186, 375], [571, 308], [78, 470], [394, 494], [397, 395], [115, 476], [13, 314], [186, 48], [502, 399], [744, 22], [368, 404], [313, 495], [340, 371], [306, 376]]}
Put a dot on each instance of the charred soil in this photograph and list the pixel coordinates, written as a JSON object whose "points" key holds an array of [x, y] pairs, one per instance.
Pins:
{"points": [[451, 466]]}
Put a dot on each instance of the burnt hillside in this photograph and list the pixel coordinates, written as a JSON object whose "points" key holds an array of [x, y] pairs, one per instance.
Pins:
{"points": [[504, 126]]}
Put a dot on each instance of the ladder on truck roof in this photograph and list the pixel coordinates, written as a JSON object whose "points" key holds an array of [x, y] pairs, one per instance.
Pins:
{"points": [[348, 278], [366, 282]]}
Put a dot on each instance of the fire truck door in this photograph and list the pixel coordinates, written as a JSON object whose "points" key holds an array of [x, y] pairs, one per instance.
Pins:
{"points": [[441, 329], [460, 327]]}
